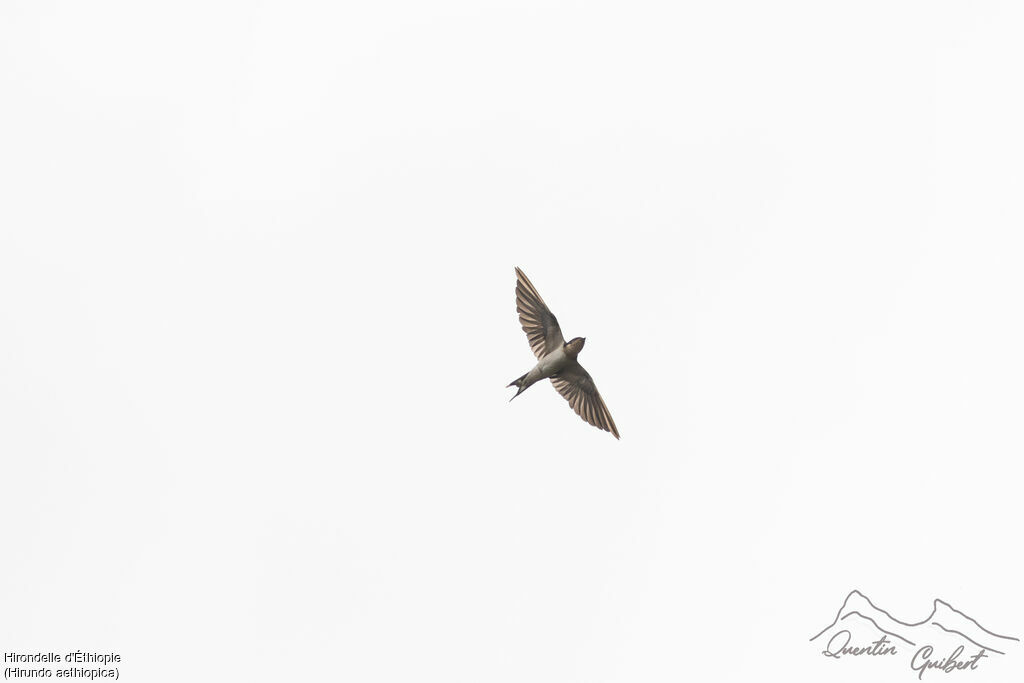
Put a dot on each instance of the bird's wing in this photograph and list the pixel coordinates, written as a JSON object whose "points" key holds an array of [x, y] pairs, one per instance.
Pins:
{"points": [[578, 388], [538, 321]]}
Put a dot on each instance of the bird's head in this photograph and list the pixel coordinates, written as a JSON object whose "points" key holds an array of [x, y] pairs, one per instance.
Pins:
{"points": [[574, 346]]}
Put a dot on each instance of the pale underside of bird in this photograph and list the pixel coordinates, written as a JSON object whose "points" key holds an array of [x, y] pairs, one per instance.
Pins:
{"points": [[556, 358]]}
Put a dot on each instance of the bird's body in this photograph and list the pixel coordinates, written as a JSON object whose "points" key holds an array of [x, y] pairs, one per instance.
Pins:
{"points": [[548, 366], [556, 359]]}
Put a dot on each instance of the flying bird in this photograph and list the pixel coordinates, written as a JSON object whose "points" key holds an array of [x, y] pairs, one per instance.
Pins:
{"points": [[556, 358]]}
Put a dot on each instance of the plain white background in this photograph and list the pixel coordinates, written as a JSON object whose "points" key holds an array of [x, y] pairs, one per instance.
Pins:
{"points": [[257, 317]]}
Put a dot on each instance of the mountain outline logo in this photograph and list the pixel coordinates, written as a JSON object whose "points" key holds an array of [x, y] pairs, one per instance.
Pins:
{"points": [[947, 640]]}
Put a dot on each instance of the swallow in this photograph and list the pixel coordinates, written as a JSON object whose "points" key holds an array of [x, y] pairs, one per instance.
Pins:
{"points": [[556, 358]]}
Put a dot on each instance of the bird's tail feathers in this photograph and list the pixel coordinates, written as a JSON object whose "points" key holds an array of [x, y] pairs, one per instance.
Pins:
{"points": [[520, 383]]}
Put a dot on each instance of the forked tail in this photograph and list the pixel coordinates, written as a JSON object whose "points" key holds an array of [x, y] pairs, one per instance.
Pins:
{"points": [[520, 383]]}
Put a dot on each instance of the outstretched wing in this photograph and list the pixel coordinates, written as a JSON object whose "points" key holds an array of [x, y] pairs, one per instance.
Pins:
{"points": [[578, 388], [538, 321]]}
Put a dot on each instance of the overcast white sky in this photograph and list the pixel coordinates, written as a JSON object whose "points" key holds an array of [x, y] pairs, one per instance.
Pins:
{"points": [[257, 316]]}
